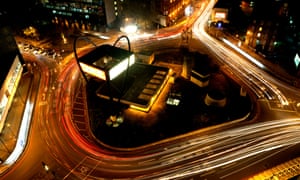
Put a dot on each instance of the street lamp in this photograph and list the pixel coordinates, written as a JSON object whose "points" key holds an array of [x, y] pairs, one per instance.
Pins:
{"points": [[129, 26], [115, 120], [76, 56], [128, 62]]}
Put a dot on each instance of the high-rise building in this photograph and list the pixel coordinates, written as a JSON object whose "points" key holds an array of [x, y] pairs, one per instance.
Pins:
{"points": [[169, 11], [82, 14]]}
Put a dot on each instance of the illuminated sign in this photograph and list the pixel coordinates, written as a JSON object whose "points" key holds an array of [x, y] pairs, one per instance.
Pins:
{"points": [[106, 62], [93, 71], [220, 15], [113, 72], [121, 67], [297, 60]]}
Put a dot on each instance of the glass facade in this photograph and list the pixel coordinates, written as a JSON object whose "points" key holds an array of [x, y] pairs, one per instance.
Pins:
{"points": [[80, 14], [8, 89]]}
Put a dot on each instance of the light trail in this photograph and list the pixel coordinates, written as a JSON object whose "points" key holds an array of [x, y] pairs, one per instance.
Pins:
{"points": [[177, 159]]}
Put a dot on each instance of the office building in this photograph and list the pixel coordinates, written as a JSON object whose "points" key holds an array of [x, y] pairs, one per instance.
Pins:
{"points": [[122, 79], [169, 11], [82, 14]]}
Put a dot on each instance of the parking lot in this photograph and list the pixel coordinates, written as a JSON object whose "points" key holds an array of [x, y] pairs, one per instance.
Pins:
{"points": [[37, 50]]}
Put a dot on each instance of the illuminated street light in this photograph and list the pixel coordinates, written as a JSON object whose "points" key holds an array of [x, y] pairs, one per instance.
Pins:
{"points": [[45, 166], [129, 29], [130, 61], [116, 119], [129, 26], [188, 10]]}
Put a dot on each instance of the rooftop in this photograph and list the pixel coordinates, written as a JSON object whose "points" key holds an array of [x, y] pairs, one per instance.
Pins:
{"points": [[138, 87]]}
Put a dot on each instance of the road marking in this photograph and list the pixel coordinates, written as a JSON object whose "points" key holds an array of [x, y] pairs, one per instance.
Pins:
{"points": [[72, 170], [252, 164]]}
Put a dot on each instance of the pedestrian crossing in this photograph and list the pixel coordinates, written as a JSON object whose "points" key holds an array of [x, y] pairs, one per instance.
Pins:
{"points": [[287, 170]]}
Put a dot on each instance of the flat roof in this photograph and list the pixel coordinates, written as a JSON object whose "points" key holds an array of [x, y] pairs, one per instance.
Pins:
{"points": [[139, 86]]}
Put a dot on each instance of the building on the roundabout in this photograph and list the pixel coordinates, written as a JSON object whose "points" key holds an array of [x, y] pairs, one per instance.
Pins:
{"points": [[123, 79]]}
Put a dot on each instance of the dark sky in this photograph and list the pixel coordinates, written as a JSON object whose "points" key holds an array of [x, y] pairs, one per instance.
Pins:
{"points": [[17, 7], [264, 9]]}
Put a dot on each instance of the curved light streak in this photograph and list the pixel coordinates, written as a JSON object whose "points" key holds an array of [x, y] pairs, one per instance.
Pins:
{"points": [[198, 154]]}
